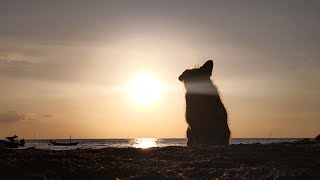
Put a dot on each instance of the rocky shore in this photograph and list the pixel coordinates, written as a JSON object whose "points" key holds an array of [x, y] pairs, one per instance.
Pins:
{"points": [[298, 160]]}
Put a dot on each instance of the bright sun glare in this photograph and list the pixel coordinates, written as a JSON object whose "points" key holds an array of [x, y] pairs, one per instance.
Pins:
{"points": [[145, 89], [145, 143]]}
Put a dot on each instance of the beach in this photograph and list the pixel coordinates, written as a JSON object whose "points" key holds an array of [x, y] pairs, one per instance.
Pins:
{"points": [[244, 161]]}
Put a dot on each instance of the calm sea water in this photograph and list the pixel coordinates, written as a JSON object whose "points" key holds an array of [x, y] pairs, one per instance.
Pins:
{"points": [[139, 143]]}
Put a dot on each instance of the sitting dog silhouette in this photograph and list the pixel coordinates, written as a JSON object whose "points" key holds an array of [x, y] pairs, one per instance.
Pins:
{"points": [[205, 113]]}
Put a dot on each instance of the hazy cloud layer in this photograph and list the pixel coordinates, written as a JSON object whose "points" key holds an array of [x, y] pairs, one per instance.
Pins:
{"points": [[47, 115], [14, 116], [36, 117], [39, 69], [11, 117]]}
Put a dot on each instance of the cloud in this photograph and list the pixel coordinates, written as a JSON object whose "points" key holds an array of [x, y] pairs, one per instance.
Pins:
{"points": [[15, 65], [14, 116], [11, 116], [47, 115], [18, 65], [32, 119], [36, 116], [7, 57]]}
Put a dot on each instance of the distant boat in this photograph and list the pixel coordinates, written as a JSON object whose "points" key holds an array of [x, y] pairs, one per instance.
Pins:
{"points": [[12, 142], [64, 143]]}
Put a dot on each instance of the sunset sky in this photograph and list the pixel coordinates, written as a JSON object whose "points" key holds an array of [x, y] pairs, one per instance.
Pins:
{"points": [[65, 66]]}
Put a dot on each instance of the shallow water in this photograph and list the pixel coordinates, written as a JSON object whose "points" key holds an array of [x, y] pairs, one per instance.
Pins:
{"points": [[139, 143]]}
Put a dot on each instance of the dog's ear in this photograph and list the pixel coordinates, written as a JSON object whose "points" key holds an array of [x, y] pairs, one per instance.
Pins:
{"points": [[207, 67], [181, 77]]}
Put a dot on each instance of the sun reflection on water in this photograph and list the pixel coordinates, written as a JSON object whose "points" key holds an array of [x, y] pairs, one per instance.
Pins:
{"points": [[145, 143]]}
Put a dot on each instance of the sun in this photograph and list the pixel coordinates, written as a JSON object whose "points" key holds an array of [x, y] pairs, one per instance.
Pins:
{"points": [[145, 89]]}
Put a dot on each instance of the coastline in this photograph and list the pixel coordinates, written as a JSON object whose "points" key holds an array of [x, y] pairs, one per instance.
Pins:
{"points": [[299, 159], [138, 142]]}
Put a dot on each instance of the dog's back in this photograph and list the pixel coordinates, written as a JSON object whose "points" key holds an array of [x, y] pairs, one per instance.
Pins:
{"points": [[205, 113]]}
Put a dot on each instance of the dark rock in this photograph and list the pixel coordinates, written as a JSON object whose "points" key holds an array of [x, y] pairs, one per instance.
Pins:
{"points": [[251, 161], [317, 138]]}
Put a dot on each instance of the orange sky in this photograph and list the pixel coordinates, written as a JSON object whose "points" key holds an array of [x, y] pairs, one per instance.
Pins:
{"points": [[64, 66]]}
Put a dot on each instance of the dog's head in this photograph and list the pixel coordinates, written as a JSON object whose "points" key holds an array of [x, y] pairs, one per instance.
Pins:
{"points": [[195, 74]]}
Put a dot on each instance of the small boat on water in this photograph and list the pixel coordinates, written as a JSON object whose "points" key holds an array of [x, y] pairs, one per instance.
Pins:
{"points": [[12, 142], [64, 143]]}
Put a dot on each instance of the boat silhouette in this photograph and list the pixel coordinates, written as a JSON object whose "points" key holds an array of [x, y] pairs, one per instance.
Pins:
{"points": [[55, 143], [12, 142]]}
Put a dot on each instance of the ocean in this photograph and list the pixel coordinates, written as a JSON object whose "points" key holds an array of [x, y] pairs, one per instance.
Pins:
{"points": [[138, 143]]}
